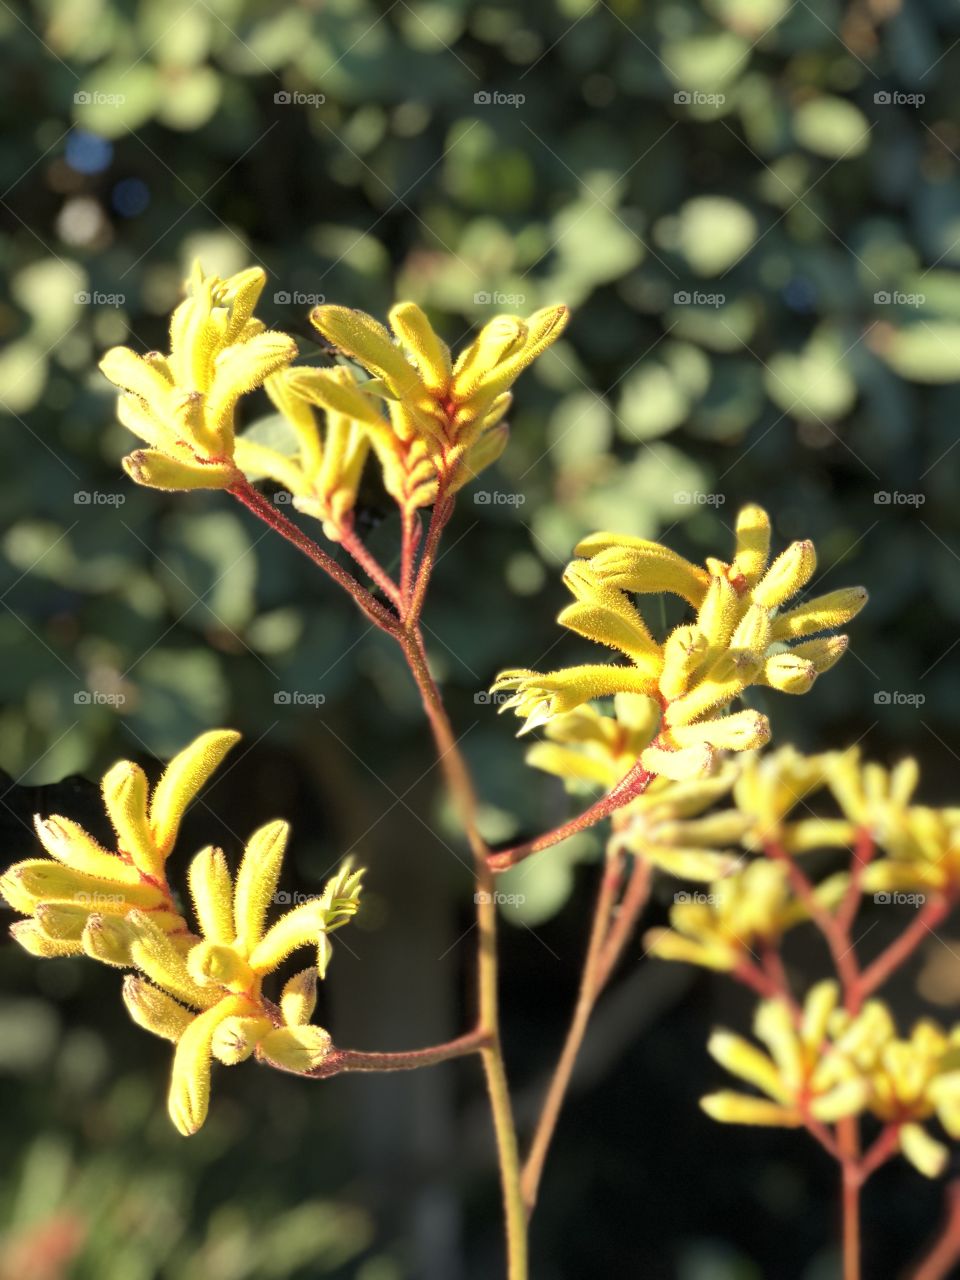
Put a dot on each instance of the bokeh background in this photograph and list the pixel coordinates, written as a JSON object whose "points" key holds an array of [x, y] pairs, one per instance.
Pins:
{"points": [[753, 207]]}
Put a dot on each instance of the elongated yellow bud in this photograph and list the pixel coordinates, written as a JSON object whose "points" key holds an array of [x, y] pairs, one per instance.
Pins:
{"points": [[330, 389], [239, 369], [739, 1108], [257, 880], [189, 1096], [824, 613], [297, 1049], [154, 953], [154, 1010], [743, 1059], [717, 616], [212, 892], [823, 652], [108, 939], [683, 654], [741, 731], [752, 632], [32, 937], [300, 927], [40, 880], [753, 544], [789, 573], [634, 564], [124, 790], [789, 672], [360, 336], [667, 945], [156, 470], [927, 1156], [299, 998], [70, 844], [432, 357], [687, 762], [182, 779]]}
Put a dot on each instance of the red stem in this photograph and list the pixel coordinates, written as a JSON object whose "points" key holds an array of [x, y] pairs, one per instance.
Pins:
{"points": [[265, 511], [943, 1257], [368, 562], [339, 1061], [628, 788], [900, 950], [442, 511]]}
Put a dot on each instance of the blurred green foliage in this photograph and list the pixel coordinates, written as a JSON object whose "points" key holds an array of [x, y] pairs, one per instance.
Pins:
{"points": [[758, 226]]}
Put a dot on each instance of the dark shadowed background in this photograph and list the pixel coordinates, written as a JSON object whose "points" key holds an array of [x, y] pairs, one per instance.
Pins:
{"points": [[753, 208]]}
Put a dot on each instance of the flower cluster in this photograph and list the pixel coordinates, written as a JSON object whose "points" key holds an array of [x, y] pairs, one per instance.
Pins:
{"points": [[744, 911], [742, 635], [445, 417], [832, 1064], [182, 405], [444, 420], [203, 992]]}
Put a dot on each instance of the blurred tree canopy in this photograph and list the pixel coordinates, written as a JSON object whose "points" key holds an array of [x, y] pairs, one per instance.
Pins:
{"points": [[753, 207]]}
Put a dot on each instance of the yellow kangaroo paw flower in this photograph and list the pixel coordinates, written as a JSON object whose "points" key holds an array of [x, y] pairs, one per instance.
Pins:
{"points": [[684, 763], [39, 880], [299, 998], [212, 892], [31, 936], [821, 614], [235, 1038], [741, 731], [300, 927], [743, 1059], [789, 573], [182, 779], [107, 939], [667, 945], [154, 1010], [189, 1096], [212, 964], [684, 653], [257, 881], [156, 470], [634, 564], [431, 356], [753, 544], [298, 1049], [67, 841], [361, 337], [155, 955], [739, 1108], [124, 789]]}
